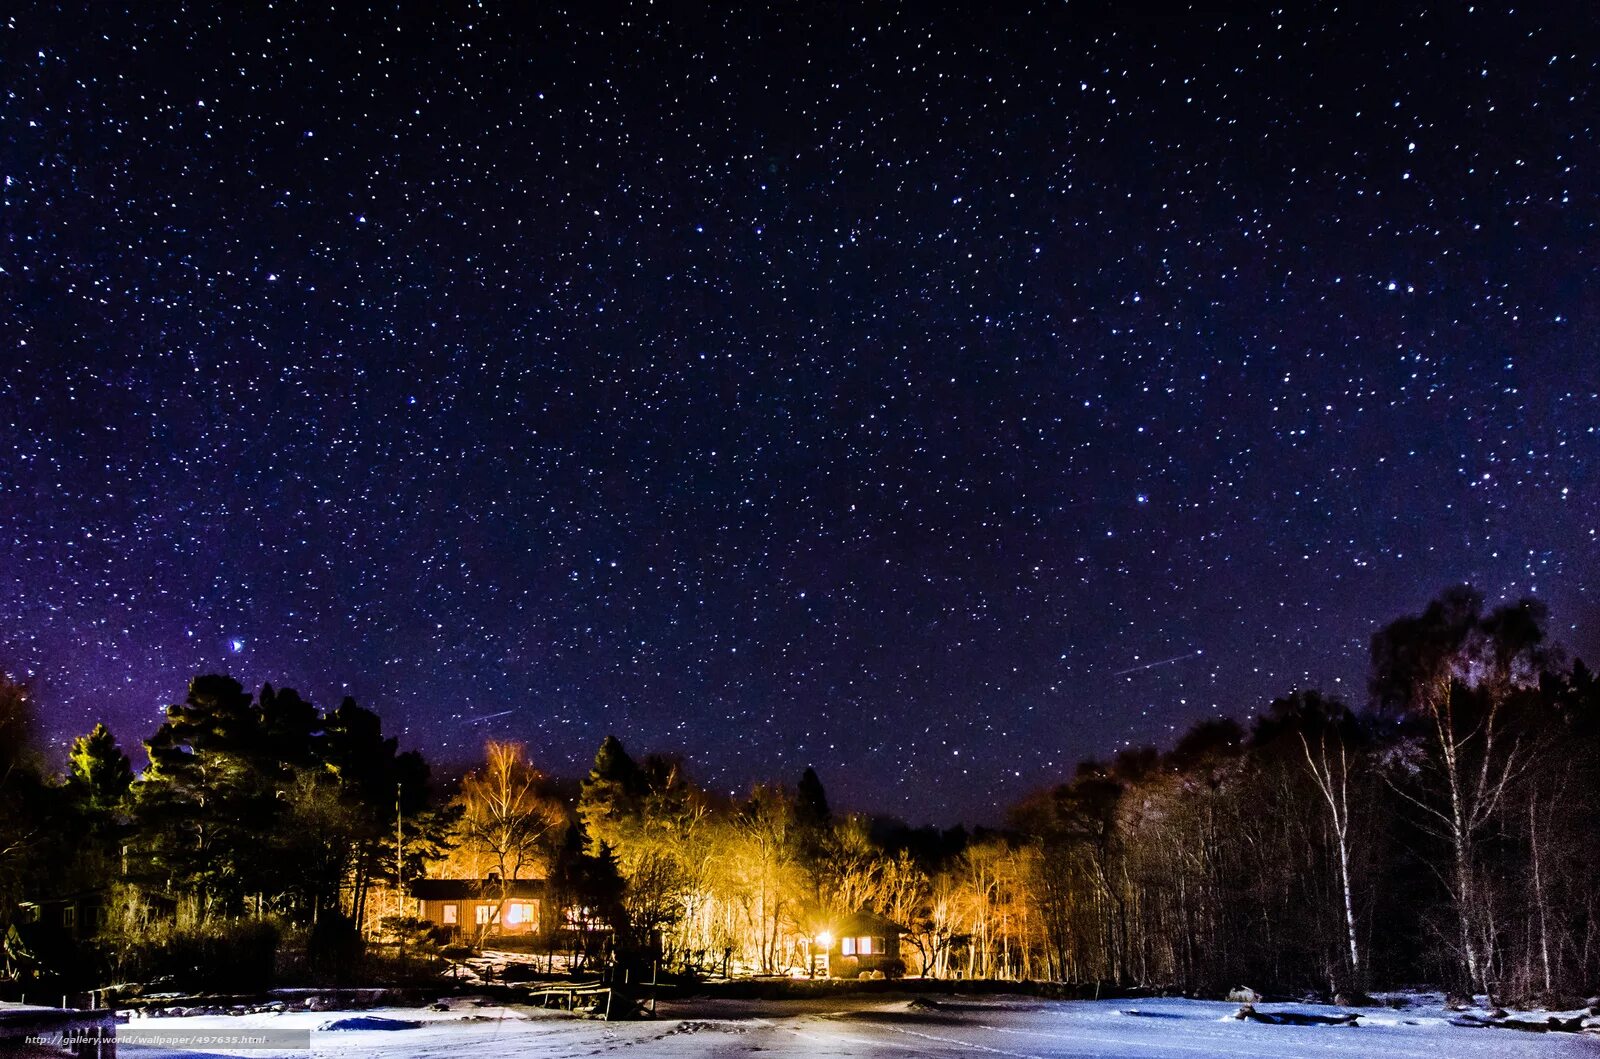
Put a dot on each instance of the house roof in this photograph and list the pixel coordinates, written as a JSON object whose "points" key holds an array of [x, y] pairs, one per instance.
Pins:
{"points": [[868, 921], [476, 889]]}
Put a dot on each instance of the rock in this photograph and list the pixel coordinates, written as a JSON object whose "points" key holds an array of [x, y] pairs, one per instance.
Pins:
{"points": [[1244, 995], [1296, 1018], [1593, 1004], [367, 1023], [441, 1006]]}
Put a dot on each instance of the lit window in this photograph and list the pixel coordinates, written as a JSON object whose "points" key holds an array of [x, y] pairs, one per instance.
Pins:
{"points": [[864, 946], [519, 912], [847, 946], [483, 913], [452, 914]]}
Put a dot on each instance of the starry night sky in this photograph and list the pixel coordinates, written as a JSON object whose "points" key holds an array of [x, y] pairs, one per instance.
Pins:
{"points": [[871, 386]]}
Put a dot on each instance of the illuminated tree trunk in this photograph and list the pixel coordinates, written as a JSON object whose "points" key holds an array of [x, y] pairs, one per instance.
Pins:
{"points": [[1538, 890], [1335, 789]]}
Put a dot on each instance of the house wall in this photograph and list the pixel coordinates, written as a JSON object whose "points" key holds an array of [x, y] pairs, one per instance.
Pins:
{"points": [[468, 911], [847, 964]]}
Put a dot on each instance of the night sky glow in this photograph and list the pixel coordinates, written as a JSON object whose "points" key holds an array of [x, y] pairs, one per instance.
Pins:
{"points": [[933, 396]]}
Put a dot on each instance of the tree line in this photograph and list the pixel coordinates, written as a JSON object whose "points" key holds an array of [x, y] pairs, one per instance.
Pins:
{"points": [[255, 819], [1447, 830]]}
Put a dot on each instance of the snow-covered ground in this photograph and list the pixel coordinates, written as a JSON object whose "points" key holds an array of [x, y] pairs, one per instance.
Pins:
{"points": [[889, 1026]]}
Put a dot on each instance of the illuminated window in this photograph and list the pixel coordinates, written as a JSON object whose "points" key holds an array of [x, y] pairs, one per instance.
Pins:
{"points": [[519, 912], [483, 914], [864, 946], [847, 946], [452, 914]]}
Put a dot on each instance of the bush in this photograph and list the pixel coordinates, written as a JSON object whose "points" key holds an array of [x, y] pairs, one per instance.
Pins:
{"points": [[223, 955]]}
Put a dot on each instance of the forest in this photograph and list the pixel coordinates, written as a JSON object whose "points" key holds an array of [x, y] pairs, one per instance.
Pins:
{"points": [[1445, 831]]}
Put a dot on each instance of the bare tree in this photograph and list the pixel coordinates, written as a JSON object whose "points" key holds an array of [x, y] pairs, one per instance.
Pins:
{"points": [[19, 830], [507, 816]]}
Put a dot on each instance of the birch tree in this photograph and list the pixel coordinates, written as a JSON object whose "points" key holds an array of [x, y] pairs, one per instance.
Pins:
{"points": [[507, 817]]}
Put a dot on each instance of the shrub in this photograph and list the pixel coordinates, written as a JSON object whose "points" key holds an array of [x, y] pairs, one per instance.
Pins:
{"points": [[223, 955]]}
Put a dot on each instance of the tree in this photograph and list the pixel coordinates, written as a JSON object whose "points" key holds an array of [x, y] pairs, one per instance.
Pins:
{"points": [[1330, 741], [98, 771], [762, 862], [507, 814], [1459, 676], [22, 824], [811, 802], [586, 892], [208, 799], [383, 789], [611, 797]]}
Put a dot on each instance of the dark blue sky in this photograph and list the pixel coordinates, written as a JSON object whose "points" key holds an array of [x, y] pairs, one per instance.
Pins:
{"points": [[848, 385]]}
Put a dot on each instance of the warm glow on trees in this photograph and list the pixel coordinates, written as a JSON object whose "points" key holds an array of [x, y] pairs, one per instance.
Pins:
{"points": [[508, 818]]}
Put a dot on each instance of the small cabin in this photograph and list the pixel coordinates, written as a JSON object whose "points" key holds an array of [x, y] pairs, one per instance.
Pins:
{"points": [[76, 915], [481, 907], [46, 935], [861, 943]]}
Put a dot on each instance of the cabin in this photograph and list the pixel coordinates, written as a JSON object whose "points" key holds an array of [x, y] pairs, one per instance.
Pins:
{"points": [[46, 935], [482, 907], [860, 944], [74, 915]]}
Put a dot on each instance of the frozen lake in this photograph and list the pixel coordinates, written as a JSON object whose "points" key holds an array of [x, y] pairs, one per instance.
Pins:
{"points": [[899, 1027]]}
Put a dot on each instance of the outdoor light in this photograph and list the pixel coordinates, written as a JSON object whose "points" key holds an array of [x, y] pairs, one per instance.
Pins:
{"points": [[825, 940]]}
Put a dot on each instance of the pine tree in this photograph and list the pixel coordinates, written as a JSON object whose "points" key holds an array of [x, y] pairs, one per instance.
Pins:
{"points": [[206, 805], [99, 773], [811, 802], [612, 796]]}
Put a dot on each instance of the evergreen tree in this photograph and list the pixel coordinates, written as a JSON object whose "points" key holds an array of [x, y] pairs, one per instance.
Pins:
{"points": [[811, 802], [99, 773], [611, 797], [206, 803]]}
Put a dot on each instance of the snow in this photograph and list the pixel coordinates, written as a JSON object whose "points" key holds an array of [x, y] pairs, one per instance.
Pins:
{"points": [[893, 1026]]}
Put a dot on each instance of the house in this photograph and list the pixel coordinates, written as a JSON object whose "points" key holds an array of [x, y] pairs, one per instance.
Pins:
{"points": [[859, 944], [482, 906], [45, 935], [75, 915]]}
